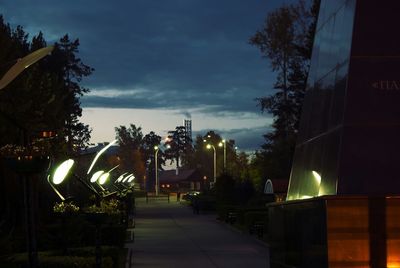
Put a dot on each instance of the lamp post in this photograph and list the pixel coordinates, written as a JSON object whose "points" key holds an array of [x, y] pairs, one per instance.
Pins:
{"points": [[156, 148], [59, 175], [223, 143], [24, 63], [215, 160]]}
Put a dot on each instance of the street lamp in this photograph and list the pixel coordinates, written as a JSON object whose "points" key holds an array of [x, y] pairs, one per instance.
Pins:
{"points": [[59, 175], [215, 160], [99, 178], [24, 63], [99, 154], [156, 148], [223, 143]]}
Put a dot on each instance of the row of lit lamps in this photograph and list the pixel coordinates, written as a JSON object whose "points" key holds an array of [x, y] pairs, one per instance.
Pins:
{"points": [[99, 177], [220, 144]]}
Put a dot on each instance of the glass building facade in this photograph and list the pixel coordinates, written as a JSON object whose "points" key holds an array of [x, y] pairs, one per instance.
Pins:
{"points": [[348, 141]]}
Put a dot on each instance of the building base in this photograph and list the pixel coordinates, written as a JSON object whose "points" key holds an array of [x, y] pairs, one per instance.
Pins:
{"points": [[335, 232]]}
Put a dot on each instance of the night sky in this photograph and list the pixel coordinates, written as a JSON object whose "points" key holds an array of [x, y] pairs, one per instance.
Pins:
{"points": [[158, 62]]}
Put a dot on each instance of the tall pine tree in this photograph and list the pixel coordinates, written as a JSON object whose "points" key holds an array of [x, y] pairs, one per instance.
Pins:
{"points": [[286, 40]]}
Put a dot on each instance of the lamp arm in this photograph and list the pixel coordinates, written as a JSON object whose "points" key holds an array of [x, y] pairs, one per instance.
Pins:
{"points": [[90, 188], [116, 187], [55, 190], [101, 187]]}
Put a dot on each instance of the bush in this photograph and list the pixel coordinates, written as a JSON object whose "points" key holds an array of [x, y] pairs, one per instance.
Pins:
{"points": [[49, 261], [242, 211], [77, 257], [206, 202], [224, 210], [252, 217], [113, 235]]}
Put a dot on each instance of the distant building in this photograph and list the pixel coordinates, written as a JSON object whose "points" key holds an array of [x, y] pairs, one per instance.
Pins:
{"points": [[182, 181]]}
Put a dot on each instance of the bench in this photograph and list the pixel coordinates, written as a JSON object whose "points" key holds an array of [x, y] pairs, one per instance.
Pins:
{"points": [[231, 217], [257, 228]]}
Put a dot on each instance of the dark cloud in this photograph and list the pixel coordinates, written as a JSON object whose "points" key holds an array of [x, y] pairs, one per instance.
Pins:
{"points": [[184, 55], [195, 52]]}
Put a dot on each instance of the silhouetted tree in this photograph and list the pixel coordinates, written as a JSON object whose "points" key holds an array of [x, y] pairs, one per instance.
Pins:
{"points": [[130, 141], [71, 71], [149, 142], [46, 95], [39, 99], [286, 40], [180, 144]]}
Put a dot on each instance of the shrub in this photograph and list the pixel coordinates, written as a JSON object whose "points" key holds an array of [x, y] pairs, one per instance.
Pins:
{"points": [[112, 257], [50, 261]]}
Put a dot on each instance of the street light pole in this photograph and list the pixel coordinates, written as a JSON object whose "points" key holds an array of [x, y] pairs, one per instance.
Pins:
{"points": [[156, 148], [215, 161], [223, 143]]}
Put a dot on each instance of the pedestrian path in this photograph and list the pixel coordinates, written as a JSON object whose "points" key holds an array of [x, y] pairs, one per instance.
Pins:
{"points": [[170, 235]]}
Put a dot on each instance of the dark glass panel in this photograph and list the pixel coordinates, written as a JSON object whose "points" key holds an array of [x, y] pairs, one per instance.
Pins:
{"points": [[330, 161], [337, 108], [322, 15], [326, 62], [346, 29]]}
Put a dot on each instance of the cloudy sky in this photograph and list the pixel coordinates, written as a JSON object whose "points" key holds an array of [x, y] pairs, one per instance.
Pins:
{"points": [[158, 62]]}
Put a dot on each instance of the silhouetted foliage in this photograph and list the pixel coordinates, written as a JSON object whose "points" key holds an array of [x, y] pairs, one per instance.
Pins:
{"points": [[130, 143], [180, 144], [45, 97], [286, 40]]}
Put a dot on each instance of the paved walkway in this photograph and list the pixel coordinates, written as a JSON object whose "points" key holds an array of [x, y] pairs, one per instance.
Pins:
{"points": [[170, 235]]}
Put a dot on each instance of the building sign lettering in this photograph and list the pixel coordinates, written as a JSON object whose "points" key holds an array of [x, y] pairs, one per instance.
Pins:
{"points": [[386, 84]]}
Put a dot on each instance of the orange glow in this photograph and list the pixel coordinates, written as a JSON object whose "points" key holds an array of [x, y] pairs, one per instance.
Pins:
{"points": [[393, 233], [348, 233], [47, 134], [393, 265]]}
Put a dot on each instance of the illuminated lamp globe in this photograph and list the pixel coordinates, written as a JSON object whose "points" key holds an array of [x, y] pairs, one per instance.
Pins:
{"points": [[62, 171], [103, 178], [96, 176]]}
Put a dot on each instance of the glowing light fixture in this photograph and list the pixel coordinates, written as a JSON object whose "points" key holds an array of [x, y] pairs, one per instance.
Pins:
{"points": [[317, 177], [120, 178], [103, 178], [131, 178], [127, 178], [99, 154], [59, 176], [96, 176], [24, 63], [62, 171]]}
